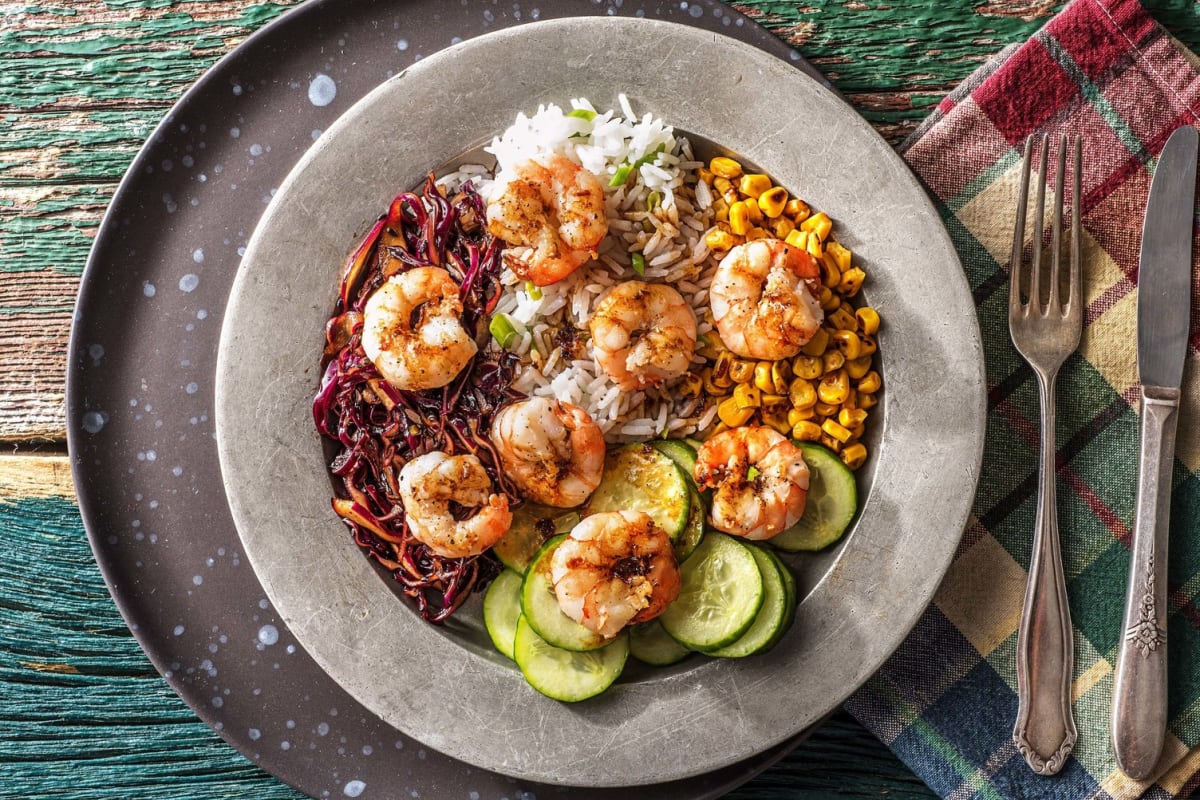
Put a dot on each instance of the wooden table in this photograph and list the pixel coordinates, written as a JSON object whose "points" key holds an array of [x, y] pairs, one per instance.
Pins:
{"points": [[82, 83]]}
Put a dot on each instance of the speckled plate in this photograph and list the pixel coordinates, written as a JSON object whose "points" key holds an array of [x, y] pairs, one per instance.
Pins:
{"points": [[704, 714], [140, 392]]}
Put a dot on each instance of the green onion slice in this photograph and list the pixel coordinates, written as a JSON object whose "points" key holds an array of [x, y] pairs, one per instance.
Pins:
{"points": [[502, 330], [533, 290], [582, 113], [639, 264]]}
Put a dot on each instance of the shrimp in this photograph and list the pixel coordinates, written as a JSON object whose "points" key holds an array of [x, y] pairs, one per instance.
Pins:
{"points": [[431, 483], [643, 334], [553, 451], [412, 331], [759, 478], [615, 568], [764, 300], [552, 214]]}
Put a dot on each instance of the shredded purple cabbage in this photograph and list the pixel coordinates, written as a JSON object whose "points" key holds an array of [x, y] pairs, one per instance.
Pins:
{"points": [[378, 428]]}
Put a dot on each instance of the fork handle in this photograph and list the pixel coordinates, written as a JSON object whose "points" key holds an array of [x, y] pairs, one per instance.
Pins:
{"points": [[1139, 715], [1045, 728]]}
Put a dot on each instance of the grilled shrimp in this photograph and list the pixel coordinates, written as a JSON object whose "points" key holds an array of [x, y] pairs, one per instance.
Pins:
{"points": [[553, 451], [643, 333], [759, 481], [615, 568], [412, 330], [431, 484], [552, 215], [764, 300]]}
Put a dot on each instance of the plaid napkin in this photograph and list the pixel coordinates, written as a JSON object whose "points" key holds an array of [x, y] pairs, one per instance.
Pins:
{"points": [[946, 701]]}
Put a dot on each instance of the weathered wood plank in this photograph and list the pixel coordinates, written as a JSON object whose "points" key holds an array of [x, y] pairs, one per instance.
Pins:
{"points": [[34, 476]]}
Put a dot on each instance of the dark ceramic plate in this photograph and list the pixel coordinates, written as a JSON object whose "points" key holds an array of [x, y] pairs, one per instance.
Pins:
{"points": [[140, 390]]}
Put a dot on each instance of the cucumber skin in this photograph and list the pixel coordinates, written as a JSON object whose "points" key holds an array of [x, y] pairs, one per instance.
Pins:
{"points": [[803, 537], [651, 644], [758, 639], [627, 493], [549, 622], [675, 619], [554, 682], [502, 610]]}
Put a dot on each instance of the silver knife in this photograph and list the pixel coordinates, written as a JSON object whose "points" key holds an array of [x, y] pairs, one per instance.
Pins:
{"points": [[1139, 712]]}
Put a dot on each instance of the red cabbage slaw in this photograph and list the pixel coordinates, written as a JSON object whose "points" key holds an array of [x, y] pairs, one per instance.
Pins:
{"points": [[378, 428]]}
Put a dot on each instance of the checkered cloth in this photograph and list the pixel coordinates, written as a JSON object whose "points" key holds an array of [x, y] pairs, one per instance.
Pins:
{"points": [[946, 701]]}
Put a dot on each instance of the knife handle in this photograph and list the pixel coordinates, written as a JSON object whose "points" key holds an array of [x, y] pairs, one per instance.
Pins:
{"points": [[1139, 715]]}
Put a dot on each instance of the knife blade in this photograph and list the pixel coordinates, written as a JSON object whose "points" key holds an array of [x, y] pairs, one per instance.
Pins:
{"points": [[1139, 713]]}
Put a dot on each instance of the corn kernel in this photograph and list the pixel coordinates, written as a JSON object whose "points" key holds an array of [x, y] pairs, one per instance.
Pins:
{"points": [[718, 239], [721, 367], [706, 175], [802, 393], [851, 417], [739, 218], [691, 385], [781, 375], [851, 400], [847, 343], [830, 274], [858, 367], [816, 346], [723, 185], [856, 432], [741, 371], [777, 420], [814, 246], [762, 376], [773, 201], [819, 224], [797, 209], [868, 320], [806, 431], [797, 238], [830, 442], [806, 366], [842, 319], [867, 401], [756, 215], [725, 167], [870, 383], [781, 227], [797, 415], [720, 427], [832, 361], [835, 430], [747, 396], [777, 402], [823, 410], [828, 300], [733, 415], [868, 345], [721, 209], [712, 388], [852, 281], [841, 256], [834, 387], [731, 195], [757, 233], [754, 184], [854, 455]]}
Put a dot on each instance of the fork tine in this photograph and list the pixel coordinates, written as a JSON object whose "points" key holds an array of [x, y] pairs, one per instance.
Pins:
{"points": [[1056, 229], [1014, 269], [1039, 225], [1075, 299]]}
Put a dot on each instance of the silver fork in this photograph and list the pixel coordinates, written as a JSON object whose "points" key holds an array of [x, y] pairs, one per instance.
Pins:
{"points": [[1045, 334]]}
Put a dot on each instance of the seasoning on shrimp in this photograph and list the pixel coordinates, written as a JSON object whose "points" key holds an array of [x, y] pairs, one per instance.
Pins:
{"points": [[551, 450], [759, 481], [552, 215], [764, 299], [643, 334], [614, 569], [412, 330], [433, 486]]}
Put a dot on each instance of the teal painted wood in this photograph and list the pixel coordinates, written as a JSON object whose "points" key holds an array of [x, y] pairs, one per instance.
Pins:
{"points": [[86, 716]]}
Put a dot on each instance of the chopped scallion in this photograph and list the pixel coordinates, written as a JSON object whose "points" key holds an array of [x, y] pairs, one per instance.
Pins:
{"points": [[533, 291], [621, 175], [653, 200], [582, 113], [752, 473], [639, 264], [502, 330]]}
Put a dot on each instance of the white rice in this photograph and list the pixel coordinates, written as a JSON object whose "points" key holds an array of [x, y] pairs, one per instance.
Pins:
{"points": [[670, 238]]}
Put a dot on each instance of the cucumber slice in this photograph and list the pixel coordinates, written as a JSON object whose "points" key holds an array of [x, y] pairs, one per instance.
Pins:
{"points": [[650, 644], [793, 597], [540, 606], [502, 609], [638, 477], [693, 532], [532, 525], [721, 594], [771, 617], [831, 504], [680, 452], [567, 675]]}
